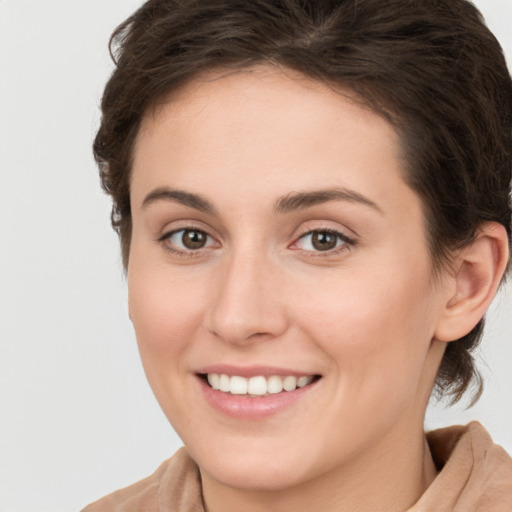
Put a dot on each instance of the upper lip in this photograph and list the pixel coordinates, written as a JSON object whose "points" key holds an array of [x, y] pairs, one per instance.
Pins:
{"points": [[252, 371]]}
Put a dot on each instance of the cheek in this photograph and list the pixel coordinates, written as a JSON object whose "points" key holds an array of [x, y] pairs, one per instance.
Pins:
{"points": [[376, 329], [165, 313]]}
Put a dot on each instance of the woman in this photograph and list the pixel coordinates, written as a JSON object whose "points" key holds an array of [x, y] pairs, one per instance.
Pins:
{"points": [[313, 206]]}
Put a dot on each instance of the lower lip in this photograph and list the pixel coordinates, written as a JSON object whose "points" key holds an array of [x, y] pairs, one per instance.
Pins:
{"points": [[249, 407]]}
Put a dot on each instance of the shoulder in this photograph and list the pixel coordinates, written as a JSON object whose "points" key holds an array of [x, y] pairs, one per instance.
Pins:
{"points": [[470, 442], [475, 474], [175, 485]]}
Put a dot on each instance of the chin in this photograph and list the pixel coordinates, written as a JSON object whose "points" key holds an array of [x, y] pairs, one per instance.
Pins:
{"points": [[263, 470], [253, 477]]}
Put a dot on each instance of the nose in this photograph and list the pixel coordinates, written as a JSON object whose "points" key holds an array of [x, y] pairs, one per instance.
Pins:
{"points": [[247, 303]]}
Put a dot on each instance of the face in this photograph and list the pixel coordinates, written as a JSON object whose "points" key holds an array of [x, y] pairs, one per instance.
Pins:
{"points": [[275, 243]]}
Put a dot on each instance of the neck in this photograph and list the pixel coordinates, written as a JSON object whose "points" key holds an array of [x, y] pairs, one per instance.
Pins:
{"points": [[391, 476]]}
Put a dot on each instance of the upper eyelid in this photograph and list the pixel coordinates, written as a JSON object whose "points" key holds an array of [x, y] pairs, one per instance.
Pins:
{"points": [[346, 238], [341, 232], [172, 232], [166, 233], [183, 225], [164, 241], [321, 229], [328, 223]]}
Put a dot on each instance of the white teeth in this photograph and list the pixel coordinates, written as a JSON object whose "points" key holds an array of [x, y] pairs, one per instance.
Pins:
{"points": [[289, 383], [274, 384], [256, 386], [238, 385], [304, 381], [214, 380], [224, 383]]}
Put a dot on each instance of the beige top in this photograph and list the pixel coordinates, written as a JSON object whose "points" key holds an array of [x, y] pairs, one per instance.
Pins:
{"points": [[476, 476]]}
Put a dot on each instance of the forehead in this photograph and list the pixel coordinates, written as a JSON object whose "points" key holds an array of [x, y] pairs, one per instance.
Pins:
{"points": [[278, 124], [258, 91]]}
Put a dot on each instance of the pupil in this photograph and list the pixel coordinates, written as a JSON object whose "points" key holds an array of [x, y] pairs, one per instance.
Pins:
{"points": [[323, 241], [193, 239]]}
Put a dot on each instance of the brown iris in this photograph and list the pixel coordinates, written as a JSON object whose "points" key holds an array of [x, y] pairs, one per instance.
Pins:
{"points": [[324, 240], [193, 239]]}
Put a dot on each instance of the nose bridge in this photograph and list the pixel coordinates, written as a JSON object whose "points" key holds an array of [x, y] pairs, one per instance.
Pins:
{"points": [[246, 305]]}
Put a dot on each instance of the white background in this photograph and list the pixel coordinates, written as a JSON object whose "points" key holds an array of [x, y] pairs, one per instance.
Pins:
{"points": [[77, 418]]}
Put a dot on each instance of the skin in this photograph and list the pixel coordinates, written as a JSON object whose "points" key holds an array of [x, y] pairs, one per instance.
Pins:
{"points": [[364, 315]]}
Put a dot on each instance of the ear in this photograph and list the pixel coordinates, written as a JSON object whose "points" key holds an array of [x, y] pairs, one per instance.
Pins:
{"points": [[479, 268]]}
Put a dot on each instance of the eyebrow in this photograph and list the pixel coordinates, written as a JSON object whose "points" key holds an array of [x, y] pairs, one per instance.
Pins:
{"points": [[289, 203], [302, 200], [195, 201]]}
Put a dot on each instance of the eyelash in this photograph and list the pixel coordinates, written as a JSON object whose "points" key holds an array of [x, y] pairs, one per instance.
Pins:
{"points": [[346, 242], [190, 253]]}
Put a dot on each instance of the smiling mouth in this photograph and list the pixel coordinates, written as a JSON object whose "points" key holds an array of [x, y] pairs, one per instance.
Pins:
{"points": [[256, 386]]}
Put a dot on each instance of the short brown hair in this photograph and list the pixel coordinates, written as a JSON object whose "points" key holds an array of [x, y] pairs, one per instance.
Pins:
{"points": [[431, 67]]}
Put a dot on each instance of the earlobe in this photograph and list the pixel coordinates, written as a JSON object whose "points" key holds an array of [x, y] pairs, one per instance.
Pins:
{"points": [[480, 268]]}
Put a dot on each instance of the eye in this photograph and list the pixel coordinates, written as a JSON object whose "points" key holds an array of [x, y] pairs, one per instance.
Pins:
{"points": [[186, 240], [323, 240]]}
